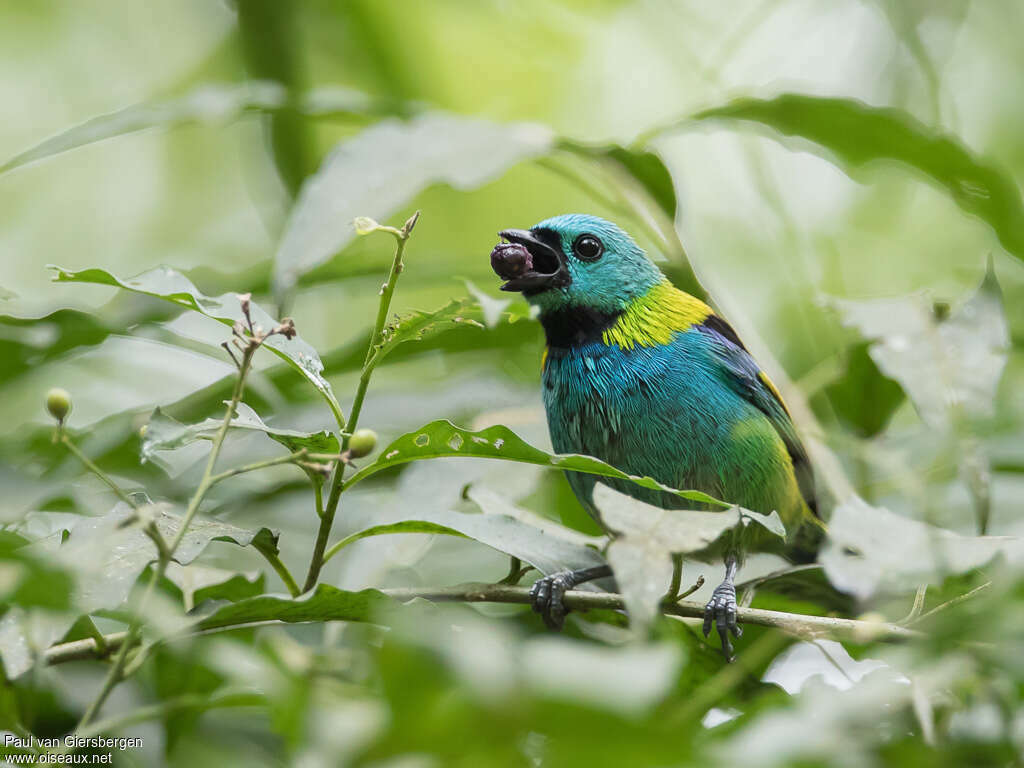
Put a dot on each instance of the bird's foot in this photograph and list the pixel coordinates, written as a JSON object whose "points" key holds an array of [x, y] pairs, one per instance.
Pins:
{"points": [[546, 597], [721, 611]]}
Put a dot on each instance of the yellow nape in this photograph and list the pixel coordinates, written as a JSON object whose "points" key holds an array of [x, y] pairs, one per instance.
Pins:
{"points": [[652, 319]]}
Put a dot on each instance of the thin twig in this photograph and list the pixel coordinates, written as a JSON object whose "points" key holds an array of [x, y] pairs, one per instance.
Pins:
{"points": [[191, 701], [289, 459], [116, 673], [917, 607], [282, 570], [950, 603], [91, 466]]}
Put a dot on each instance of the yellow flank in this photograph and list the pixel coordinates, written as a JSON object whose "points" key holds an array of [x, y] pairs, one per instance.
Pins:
{"points": [[544, 358], [653, 318]]}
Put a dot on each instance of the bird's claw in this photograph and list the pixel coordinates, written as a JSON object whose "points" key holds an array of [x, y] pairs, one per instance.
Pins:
{"points": [[546, 598], [721, 611]]}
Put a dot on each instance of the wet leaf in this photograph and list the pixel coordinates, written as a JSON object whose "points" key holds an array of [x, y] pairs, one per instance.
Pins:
{"points": [[107, 557], [170, 285], [442, 439], [384, 168], [165, 434]]}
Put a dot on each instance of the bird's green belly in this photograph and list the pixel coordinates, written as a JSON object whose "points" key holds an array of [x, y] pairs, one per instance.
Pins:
{"points": [[665, 416]]}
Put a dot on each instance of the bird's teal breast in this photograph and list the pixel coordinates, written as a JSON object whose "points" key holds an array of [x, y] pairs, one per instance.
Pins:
{"points": [[664, 411]]}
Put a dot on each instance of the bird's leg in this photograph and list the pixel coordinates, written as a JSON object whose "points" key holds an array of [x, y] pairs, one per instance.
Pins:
{"points": [[547, 593], [721, 608]]}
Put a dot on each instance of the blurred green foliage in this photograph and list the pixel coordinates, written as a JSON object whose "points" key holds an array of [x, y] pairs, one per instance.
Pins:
{"points": [[834, 178]]}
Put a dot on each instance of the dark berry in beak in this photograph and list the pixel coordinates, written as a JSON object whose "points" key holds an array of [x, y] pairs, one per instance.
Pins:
{"points": [[511, 260]]}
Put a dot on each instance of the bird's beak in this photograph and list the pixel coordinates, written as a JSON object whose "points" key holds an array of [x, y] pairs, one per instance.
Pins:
{"points": [[537, 264]]}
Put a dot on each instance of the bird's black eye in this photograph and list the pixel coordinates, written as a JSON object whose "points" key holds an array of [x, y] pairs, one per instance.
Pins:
{"points": [[587, 248]]}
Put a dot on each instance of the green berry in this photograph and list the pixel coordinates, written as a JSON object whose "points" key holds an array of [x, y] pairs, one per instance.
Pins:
{"points": [[58, 403], [362, 442]]}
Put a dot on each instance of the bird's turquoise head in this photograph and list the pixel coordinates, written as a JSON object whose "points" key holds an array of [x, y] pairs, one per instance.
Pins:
{"points": [[574, 260]]}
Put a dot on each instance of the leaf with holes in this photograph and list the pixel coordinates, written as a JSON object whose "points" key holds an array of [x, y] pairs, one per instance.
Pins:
{"points": [[442, 439]]}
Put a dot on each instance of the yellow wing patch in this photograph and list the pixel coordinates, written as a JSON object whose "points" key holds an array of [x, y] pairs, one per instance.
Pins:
{"points": [[653, 318]]}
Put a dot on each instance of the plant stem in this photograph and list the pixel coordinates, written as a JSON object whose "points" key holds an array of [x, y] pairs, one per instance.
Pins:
{"points": [[218, 442], [115, 675], [950, 603], [91, 466], [289, 459], [327, 514], [282, 571], [200, 702]]}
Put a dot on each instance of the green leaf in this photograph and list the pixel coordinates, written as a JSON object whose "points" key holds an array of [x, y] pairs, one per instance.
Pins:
{"points": [[197, 583], [547, 546], [442, 439], [170, 285], [211, 103], [325, 603], [106, 555], [29, 578], [109, 553], [856, 135], [643, 165], [382, 169], [490, 307], [26, 343], [165, 434], [864, 398], [417, 325], [205, 104], [870, 550], [942, 364]]}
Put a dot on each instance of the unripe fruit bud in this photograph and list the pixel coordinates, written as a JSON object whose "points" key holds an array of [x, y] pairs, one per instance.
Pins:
{"points": [[362, 442], [58, 403]]}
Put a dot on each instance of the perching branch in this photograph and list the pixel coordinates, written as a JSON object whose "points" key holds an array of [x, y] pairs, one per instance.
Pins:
{"points": [[799, 625], [795, 624]]}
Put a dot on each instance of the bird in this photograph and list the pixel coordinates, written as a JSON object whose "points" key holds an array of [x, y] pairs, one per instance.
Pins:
{"points": [[653, 381]]}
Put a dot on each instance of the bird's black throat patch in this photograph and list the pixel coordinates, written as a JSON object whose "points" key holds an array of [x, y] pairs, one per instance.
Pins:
{"points": [[576, 326]]}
